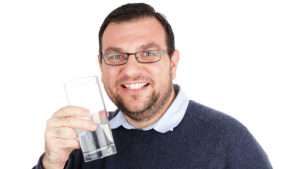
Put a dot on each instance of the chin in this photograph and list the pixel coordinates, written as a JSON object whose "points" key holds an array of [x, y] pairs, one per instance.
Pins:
{"points": [[139, 115], [138, 107]]}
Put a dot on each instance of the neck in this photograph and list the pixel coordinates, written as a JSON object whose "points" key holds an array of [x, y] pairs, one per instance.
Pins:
{"points": [[155, 117]]}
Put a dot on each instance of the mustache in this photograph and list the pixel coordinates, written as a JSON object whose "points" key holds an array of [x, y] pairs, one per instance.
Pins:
{"points": [[126, 78]]}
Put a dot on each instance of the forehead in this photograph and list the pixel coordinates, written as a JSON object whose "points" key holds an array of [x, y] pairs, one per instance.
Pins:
{"points": [[131, 35]]}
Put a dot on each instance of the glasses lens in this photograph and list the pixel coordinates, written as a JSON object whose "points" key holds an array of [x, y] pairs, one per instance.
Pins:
{"points": [[149, 56], [115, 59]]}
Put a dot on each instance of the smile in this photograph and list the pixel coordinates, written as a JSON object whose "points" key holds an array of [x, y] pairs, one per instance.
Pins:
{"points": [[135, 85]]}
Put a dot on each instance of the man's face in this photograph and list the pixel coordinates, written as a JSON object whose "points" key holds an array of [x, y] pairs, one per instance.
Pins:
{"points": [[140, 90]]}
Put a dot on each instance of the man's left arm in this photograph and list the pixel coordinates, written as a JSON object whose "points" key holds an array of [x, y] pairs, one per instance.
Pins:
{"points": [[246, 153]]}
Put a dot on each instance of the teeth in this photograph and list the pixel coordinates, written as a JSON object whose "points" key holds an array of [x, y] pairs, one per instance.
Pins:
{"points": [[135, 85]]}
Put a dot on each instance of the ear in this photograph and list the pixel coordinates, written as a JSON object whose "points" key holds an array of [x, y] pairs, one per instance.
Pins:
{"points": [[100, 67], [99, 61], [174, 63]]}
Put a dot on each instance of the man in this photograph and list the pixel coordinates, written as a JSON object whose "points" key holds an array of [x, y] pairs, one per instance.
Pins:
{"points": [[156, 126]]}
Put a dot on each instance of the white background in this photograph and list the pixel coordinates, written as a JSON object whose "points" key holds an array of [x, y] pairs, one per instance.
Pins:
{"points": [[240, 57]]}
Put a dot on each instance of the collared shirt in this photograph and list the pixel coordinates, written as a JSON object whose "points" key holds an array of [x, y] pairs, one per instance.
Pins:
{"points": [[170, 119]]}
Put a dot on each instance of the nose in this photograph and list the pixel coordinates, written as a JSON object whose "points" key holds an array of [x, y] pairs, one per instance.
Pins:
{"points": [[132, 68]]}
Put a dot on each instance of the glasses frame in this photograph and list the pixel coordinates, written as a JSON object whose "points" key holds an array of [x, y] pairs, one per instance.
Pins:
{"points": [[160, 53]]}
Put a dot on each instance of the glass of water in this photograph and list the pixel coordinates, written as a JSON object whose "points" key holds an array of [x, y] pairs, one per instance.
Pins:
{"points": [[86, 92]]}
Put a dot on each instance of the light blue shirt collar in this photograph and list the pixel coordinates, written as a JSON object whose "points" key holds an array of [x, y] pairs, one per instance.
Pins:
{"points": [[171, 118]]}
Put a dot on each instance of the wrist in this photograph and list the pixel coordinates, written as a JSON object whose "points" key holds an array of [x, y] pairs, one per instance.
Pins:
{"points": [[47, 163]]}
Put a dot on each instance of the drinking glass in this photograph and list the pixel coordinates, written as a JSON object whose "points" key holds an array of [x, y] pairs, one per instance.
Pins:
{"points": [[86, 92]]}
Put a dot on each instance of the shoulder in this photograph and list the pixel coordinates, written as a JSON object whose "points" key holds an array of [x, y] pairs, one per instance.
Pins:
{"points": [[206, 114], [240, 146], [214, 120]]}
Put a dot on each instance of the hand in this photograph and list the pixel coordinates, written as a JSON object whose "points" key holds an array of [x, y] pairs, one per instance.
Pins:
{"points": [[61, 137]]}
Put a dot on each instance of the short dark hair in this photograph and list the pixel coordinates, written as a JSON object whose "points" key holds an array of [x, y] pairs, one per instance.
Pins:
{"points": [[133, 11]]}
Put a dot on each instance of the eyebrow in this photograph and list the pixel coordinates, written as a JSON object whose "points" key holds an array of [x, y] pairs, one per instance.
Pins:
{"points": [[149, 45], [142, 47], [113, 49]]}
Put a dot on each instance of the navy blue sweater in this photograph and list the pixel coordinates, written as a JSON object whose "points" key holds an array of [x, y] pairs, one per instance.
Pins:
{"points": [[205, 139]]}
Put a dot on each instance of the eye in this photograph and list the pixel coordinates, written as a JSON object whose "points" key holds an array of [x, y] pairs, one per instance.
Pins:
{"points": [[150, 53], [114, 57]]}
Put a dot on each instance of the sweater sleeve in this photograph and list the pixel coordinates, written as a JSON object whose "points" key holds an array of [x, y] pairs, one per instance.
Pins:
{"points": [[73, 162], [39, 164], [246, 153]]}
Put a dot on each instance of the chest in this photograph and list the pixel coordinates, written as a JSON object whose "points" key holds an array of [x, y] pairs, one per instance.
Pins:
{"points": [[155, 151]]}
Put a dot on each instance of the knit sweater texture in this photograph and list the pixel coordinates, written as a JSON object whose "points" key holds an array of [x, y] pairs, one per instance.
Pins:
{"points": [[205, 139]]}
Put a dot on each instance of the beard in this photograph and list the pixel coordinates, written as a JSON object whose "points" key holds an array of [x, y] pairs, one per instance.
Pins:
{"points": [[152, 104]]}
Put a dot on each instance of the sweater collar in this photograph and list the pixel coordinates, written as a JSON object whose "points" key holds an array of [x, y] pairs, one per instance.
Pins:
{"points": [[171, 118]]}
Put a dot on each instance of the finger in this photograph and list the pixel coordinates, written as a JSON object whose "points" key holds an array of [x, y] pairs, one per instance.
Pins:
{"points": [[62, 133], [71, 111], [65, 143], [103, 114], [72, 122]]}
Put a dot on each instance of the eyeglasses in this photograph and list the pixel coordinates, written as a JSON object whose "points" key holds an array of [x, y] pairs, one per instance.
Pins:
{"points": [[147, 56]]}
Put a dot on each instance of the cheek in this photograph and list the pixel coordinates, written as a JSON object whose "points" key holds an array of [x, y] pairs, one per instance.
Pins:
{"points": [[162, 75], [108, 79]]}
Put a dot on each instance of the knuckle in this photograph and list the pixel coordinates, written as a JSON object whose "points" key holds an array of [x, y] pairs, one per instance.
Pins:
{"points": [[50, 134], [85, 124], [62, 110], [49, 125], [72, 135], [53, 122], [67, 133], [68, 143], [68, 122]]}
